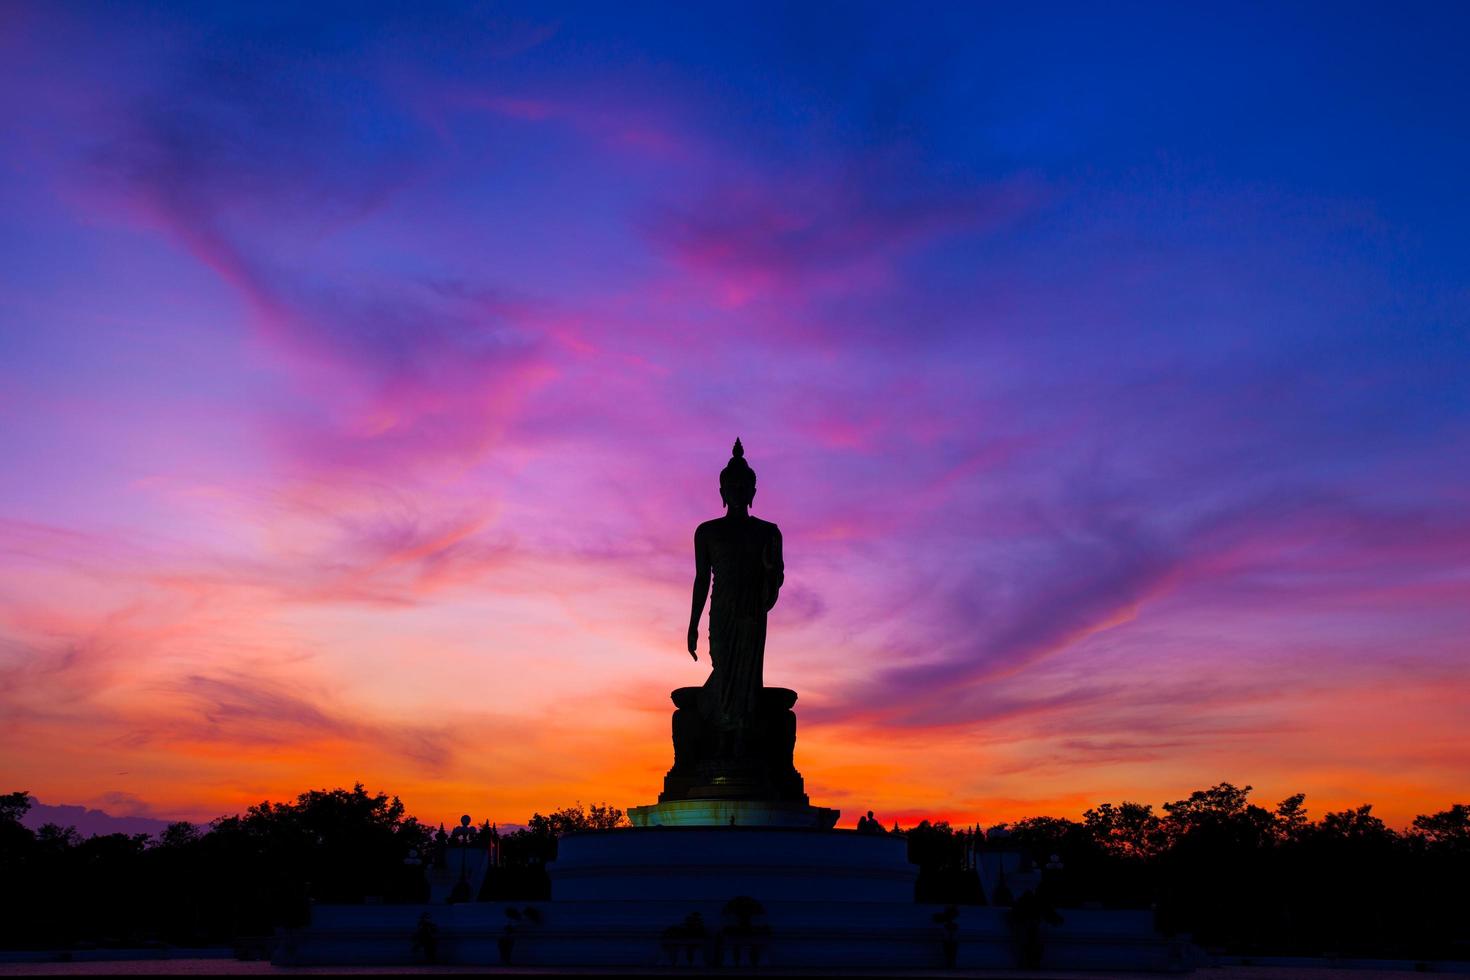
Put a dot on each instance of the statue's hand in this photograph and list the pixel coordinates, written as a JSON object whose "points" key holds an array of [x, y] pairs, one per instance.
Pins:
{"points": [[693, 641]]}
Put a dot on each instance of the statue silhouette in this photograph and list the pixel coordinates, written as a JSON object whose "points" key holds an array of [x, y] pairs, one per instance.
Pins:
{"points": [[735, 738], [744, 555]]}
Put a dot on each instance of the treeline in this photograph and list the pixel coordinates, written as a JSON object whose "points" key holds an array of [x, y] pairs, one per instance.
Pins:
{"points": [[243, 876], [1236, 876]]}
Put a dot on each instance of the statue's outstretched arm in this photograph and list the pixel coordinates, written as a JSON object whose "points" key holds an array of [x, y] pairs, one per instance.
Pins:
{"points": [[701, 590]]}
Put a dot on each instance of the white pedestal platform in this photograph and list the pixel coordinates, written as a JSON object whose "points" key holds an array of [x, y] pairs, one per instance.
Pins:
{"points": [[832, 899], [732, 813], [708, 864]]}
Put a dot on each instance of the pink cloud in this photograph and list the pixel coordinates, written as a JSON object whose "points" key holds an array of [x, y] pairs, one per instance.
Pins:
{"points": [[834, 230]]}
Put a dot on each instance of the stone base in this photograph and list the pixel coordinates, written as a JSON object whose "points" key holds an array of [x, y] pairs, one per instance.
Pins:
{"points": [[820, 936], [733, 813], [755, 764]]}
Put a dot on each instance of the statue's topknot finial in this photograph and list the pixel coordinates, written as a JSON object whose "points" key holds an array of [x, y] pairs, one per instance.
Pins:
{"points": [[737, 472]]}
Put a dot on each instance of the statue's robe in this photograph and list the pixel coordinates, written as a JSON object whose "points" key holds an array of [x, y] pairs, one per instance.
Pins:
{"points": [[744, 556]]}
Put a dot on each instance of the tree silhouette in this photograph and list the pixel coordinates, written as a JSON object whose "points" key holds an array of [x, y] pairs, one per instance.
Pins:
{"points": [[1448, 829], [1127, 830]]}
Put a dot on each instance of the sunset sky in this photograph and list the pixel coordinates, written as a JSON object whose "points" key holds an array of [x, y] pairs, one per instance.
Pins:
{"points": [[364, 373]]}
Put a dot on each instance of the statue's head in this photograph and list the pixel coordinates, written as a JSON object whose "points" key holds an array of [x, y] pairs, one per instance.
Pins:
{"points": [[737, 479]]}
